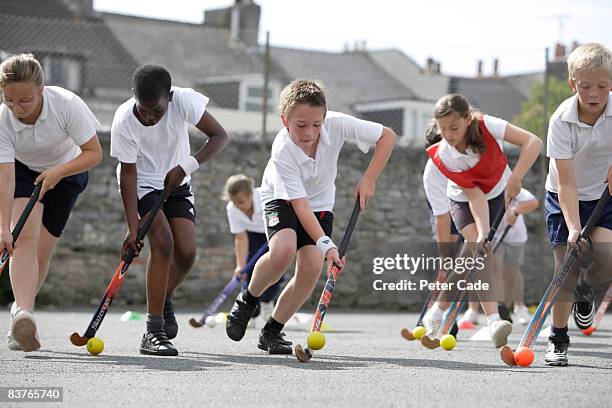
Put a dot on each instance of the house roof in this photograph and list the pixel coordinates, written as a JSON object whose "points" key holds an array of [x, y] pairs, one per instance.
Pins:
{"points": [[350, 77], [107, 64], [494, 96], [405, 70], [191, 52]]}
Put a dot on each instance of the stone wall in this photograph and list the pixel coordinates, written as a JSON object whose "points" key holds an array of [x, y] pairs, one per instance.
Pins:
{"points": [[89, 250]]}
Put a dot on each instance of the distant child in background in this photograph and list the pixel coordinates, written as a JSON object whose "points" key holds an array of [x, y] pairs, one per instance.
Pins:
{"points": [[246, 222]]}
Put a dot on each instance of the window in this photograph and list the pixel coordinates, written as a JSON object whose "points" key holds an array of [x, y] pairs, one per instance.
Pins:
{"points": [[63, 70], [252, 96]]}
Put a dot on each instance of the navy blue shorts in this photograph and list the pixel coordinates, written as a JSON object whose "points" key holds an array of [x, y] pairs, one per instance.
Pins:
{"points": [[58, 202], [555, 223], [432, 223]]}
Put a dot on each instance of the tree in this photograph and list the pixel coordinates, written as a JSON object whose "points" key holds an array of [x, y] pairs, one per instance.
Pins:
{"points": [[531, 117]]}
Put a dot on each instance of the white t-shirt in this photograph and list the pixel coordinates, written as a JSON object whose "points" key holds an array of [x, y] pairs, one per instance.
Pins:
{"points": [[518, 232], [240, 222], [159, 148], [291, 174], [456, 161], [589, 148], [435, 184], [64, 124]]}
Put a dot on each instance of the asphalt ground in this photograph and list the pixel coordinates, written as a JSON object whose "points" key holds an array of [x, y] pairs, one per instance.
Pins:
{"points": [[366, 363]]}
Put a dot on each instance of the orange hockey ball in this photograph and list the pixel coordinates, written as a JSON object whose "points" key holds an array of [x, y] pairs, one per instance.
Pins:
{"points": [[589, 331], [524, 356]]}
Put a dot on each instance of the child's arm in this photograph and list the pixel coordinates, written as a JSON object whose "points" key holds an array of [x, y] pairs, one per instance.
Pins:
{"points": [[313, 228], [91, 156], [7, 192], [524, 207], [530, 146], [367, 185], [568, 200], [442, 224], [217, 140], [480, 211], [127, 186], [241, 247]]}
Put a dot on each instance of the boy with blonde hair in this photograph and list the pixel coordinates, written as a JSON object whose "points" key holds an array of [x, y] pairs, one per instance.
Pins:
{"points": [[580, 150]]}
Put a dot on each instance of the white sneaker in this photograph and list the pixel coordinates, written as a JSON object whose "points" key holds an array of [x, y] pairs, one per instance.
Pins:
{"points": [[432, 322], [10, 340], [521, 314], [266, 309], [23, 329], [500, 330], [469, 316]]}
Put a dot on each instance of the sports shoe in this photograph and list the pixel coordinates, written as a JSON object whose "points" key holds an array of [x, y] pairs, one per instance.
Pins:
{"points": [[273, 342], [504, 312], [583, 309], [23, 329], [10, 340], [238, 318], [157, 344], [432, 322], [170, 323], [522, 314], [500, 330], [556, 352], [469, 316]]}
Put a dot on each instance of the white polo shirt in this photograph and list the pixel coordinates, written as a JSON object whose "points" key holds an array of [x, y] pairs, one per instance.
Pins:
{"points": [[589, 148], [456, 161], [159, 148], [291, 174], [64, 124], [435, 184], [517, 234], [240, 222]]}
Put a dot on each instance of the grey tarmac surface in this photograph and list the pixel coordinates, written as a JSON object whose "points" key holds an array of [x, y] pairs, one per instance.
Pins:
{"points": [[366, 363]]}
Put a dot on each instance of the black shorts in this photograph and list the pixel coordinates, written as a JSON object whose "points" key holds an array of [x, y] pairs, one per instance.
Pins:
{"points": [[280, 215], [462, 214], [58, 202], [180, 204]]}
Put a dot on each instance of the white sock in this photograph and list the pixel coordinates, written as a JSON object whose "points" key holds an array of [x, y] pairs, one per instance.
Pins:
{"points": [[492, 318]]}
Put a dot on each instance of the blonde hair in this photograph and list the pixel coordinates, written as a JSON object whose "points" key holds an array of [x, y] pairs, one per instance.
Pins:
{"points": [[302, 91], [236, 184], [21, 68], [457, 103], [587, 58]]}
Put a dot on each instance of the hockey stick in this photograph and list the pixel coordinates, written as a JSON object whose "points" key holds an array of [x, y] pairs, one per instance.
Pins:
{"points": [[453, 311], [303, 354], [541, 313], [20, 223], [227, 290], [433, 295], [501, 239], [115, 283]]}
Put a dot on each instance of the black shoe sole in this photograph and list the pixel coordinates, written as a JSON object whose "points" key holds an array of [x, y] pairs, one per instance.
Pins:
{"points": [[276, 352], [165, 353]]}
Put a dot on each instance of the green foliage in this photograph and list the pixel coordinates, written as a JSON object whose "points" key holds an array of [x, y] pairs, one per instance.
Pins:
{"points": [[531, 117]]}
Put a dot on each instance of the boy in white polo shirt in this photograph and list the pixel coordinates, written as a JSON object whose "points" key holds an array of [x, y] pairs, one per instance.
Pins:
{"points": [[48, 136], [150, 139], [580, 150], [298, 195]]}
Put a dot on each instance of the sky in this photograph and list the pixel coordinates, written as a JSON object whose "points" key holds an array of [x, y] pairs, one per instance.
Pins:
{"points": [[455, 33]]}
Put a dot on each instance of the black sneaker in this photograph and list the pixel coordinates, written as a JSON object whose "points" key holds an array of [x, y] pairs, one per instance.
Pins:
{"points": [[556, 352], [157, 344], [170, 323], [238, 318], [454, 330], [583, 309], [504, 312], [273, 342]]}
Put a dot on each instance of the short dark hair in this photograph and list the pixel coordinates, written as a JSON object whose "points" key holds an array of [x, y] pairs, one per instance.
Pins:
{"points": [[151, 82]]}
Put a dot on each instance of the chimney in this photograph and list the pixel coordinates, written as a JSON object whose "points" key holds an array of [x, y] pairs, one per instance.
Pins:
{"points": [[436, 67], [575, 45], [430, 65], [479, 69], [241, 20], [559, 52], [80, 8], [496, 68]]}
